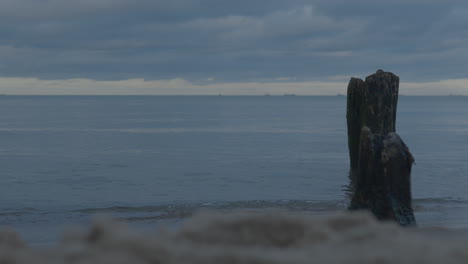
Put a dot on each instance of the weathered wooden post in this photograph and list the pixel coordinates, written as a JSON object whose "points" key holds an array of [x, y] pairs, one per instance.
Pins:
{"points": [[380, 161], [372, 103]]}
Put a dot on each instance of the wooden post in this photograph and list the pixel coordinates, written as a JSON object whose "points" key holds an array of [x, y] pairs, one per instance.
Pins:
{"points": [[383, 183], [380, 161], [372, 103]]}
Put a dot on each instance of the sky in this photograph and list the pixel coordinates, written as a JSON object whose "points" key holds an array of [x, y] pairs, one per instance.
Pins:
{"points": [[241, 47]]}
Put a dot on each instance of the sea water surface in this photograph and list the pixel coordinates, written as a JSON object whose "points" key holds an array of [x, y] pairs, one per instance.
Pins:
{"points": [[157, 159]]}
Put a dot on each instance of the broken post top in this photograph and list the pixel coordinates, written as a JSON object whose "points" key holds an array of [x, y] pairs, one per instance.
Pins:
{"points": [[382, 77], [375, 101], [371, 103]]}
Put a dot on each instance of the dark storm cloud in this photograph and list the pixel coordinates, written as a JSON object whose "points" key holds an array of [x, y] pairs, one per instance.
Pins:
{"points": [[242, 40]]}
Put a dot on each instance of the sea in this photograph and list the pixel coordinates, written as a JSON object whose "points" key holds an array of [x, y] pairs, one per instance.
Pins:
{"points": [[156, 160]]}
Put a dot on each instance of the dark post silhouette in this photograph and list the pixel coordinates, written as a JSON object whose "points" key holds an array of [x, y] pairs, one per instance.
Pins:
{"points": [[383, 183], [380, 161], [372, 103]]}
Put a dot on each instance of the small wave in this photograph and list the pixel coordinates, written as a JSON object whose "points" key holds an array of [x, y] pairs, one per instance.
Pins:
{"points": [[438, 204], [441, 200], [17, 212], [184, 210], [306, 205], [249, 204]]}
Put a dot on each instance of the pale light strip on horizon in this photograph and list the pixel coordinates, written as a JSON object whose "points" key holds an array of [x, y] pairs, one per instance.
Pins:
{"points": [[33, 86]]}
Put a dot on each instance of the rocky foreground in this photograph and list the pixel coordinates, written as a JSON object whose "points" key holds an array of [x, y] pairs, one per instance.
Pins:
{"points": [[240, 237]]}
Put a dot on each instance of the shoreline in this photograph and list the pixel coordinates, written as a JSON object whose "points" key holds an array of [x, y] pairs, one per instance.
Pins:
{"points": [[247, 237], [43, 227]]}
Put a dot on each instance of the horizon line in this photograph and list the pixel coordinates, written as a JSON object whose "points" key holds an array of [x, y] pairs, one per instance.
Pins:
{"points": [[231, 95]]}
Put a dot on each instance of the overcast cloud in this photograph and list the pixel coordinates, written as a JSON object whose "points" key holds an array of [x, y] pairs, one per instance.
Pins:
{"points": [[204, 43]]}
